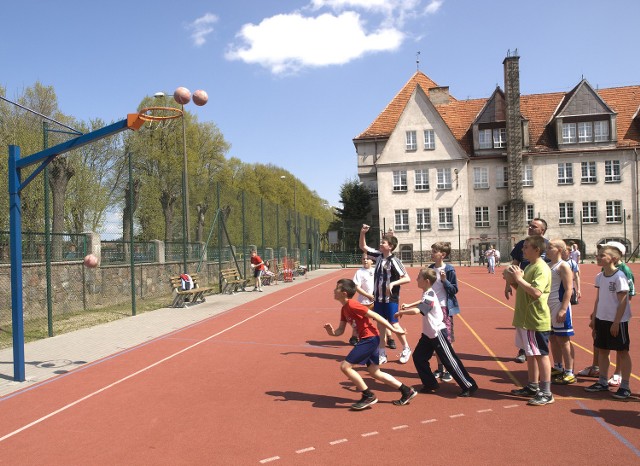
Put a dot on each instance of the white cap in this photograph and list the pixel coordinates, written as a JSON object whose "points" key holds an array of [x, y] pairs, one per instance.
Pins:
{"points": [[615, 244]]}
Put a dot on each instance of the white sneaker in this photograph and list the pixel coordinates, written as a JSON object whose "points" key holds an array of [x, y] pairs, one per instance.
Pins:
{"points": [[404, 356], [382, 358], [615, 380]]}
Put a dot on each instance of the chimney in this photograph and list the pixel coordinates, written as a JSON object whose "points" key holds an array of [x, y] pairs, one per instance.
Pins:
{"points": [[517, 217], [439, 95]]}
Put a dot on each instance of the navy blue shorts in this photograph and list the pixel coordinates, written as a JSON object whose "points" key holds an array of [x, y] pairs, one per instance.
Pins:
{"points": [[387, 310], [365, 352]]}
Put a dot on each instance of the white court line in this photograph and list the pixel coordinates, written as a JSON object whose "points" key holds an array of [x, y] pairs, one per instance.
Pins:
{"points": [[510, 406], [305, 450], [269, 460], [335, 442], [456, 415], [484, 410], [369, 434], [145, 369], [428, 421], [400, 427]]}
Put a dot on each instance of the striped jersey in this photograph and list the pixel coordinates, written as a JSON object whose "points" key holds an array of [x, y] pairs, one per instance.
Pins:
{"points": [[387, 270]]}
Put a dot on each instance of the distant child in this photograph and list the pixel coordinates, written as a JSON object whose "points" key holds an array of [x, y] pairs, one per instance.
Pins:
{"points": [[491, 259], [389, 274], [575, 269], [366, 350], [610, 321], [532, 319], [363, 279], [445, 288], [561, 314], [257, 265], [434, 339]]}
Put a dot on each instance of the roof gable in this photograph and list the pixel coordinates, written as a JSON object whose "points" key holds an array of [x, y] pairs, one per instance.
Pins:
{"points": [[583, 100], [495, 109]]}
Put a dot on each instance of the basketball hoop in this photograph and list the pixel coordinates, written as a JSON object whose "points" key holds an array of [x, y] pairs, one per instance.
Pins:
{"points": [[157, 114]]}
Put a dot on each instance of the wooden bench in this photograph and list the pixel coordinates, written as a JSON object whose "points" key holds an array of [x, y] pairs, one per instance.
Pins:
{"points": [[194, 295], [299, 269], [232, 281]]}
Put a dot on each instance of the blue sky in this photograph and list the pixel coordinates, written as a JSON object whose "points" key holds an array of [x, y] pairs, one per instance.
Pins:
{"points": [[293, 82]]}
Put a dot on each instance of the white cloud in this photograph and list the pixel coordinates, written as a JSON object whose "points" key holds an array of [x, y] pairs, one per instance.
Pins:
{"points": [[286, 43], [201, 28]]}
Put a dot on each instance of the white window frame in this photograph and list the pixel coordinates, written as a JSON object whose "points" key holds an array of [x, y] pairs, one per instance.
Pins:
{"points": [[411, 142], [589, 212], [480, 178], [423, 219], [566, 213], [527, 175], [565, 173], [502, 177], [530, 212], [482, 217], [569, 134], [401, 220], [503, 215], [499, 138], [444, 178], [614, 212], [421, 178], [588, 173], [399, 181], [485, 140], [585, 132], [612, 171], [601, 130], [445, 218], [429, 139]]}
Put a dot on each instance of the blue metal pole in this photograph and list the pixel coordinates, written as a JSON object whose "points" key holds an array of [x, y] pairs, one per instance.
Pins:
{"points": [[15, 244]]}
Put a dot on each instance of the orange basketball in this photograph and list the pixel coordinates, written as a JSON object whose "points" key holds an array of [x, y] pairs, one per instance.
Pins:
{"points": [[200, 97], [90, 261], [182, 95]]}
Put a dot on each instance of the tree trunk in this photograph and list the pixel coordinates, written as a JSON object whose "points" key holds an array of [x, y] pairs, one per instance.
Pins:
{"points": [[60, 172], [201, 209], [167, 201]]}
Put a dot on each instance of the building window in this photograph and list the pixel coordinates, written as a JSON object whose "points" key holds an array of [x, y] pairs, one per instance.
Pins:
{"points": [[499, 138], [422, 180], [585, 131], [429, 139], [601, 130], [399, 180], [480, 178], [411, 143], [482, 217], [588, 172], [569, 133], [527, 175], [503, 215], [530, 212], [423, 219], [484, 139], [565, 173], [445, 218], [444, 178], [402, 220], [590, 212], [614, 211], [502, 177], [612, 171], [566, 213]]}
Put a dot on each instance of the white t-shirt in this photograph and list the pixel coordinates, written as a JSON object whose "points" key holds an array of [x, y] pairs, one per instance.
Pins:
{"points": [[364, 279], [438, 287], [575, 255], [608, 289], [432, 314]]}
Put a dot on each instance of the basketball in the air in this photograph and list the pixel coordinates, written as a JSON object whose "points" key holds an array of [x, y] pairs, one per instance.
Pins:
{"points": [[182, 95], [90, 261], [200, 97]]}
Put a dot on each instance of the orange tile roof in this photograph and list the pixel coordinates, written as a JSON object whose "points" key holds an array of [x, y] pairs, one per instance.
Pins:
{"points": [[537, 108]]}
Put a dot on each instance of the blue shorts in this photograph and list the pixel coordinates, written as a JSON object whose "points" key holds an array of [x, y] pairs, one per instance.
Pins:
{"points": [[565, 328], [365, 352], [387, 310]]}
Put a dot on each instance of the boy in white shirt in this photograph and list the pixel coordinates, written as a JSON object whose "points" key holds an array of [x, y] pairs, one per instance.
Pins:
{"points": [[363, 279]]}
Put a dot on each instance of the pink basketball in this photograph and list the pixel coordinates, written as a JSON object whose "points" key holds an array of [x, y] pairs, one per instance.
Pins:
{"points": [[182, 95], [200, 97], [90, 261]]}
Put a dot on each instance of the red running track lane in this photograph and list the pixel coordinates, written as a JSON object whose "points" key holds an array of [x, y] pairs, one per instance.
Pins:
{"points": [[261, 384]]}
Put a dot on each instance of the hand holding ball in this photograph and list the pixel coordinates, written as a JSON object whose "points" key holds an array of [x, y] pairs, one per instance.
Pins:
{"points": [[90, 261]]}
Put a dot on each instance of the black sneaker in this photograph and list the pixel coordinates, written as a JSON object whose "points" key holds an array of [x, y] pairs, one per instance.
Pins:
{"points": [[437, 373], [353, 341], [467, 392], [406, 397], [521, 357], [429, 390], [597, 387], [525, 391], [391, 343], [622, 393], [446, 377], [364, 402]]}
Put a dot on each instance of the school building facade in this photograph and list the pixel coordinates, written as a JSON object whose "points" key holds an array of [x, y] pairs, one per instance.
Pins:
{"points": [[474, 172]]}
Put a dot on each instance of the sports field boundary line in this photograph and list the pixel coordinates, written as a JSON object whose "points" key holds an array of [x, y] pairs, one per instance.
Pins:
{"points": [[150, 366]]}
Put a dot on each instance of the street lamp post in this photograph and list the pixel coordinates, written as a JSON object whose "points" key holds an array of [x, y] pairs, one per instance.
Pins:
{"points": [[182, 96]]}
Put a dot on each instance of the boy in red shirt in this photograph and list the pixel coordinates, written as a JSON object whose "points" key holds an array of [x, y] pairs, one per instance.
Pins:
{"points": [[257, 265], [366, 350]]}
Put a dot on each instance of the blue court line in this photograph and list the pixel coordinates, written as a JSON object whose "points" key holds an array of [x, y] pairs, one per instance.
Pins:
{"points": [[612, 431]]}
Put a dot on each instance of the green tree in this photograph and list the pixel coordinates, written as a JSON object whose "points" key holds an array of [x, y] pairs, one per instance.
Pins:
{"points": [[355, 200]]}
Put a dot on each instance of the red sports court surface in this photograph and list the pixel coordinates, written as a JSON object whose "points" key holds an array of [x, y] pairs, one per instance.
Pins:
{"points": [[261, 384]]}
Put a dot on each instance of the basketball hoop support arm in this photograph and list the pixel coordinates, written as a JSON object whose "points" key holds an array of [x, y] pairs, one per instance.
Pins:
{"points": [[15, 166]]}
